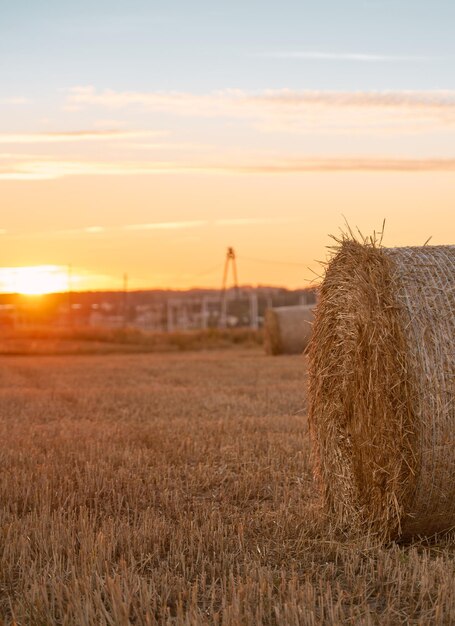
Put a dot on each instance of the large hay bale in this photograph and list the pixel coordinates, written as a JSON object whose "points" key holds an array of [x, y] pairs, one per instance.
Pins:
{"points": [[287, 329], [382, 382]]}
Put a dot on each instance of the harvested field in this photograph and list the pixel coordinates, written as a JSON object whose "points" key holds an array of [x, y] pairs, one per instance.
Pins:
{"points": [[88, 340], [177, 489]]}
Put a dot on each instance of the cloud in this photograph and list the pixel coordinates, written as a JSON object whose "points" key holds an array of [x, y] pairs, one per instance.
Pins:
{"points": [[49, 170], [14, 156], [93, 230], [361, 164], [66, 232], [247, 221], [360, 99], [224, 100], [287, 110], [174, 102], [169, 146], [313, 55], [14, 100], [74, 136], [167, 225], [149, 226]]}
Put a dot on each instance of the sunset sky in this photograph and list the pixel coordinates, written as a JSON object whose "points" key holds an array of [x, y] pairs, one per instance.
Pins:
{"points": [[146, 137]]}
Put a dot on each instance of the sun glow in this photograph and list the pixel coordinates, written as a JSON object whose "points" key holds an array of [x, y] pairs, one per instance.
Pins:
{"points": [[35, 280]]}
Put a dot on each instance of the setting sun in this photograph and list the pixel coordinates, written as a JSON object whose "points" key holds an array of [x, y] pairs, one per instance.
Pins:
{"points": [[34, 281]]}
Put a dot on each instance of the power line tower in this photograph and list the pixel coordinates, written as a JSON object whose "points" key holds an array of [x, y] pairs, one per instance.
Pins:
{"points": [[230, 260]]}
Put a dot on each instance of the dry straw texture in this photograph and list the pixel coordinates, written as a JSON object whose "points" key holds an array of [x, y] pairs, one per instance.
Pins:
{"points": [[287, 329], [382, 377], [176, 490]]}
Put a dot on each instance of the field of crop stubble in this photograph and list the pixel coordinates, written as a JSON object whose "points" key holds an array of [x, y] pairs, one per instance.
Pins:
{"points": [[177, 489]]}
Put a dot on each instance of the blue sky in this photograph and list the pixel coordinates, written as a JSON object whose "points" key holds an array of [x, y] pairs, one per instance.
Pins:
{"points": [[200, 46]]}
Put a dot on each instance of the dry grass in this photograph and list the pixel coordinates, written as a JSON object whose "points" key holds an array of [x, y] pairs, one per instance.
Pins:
{"points": [[177, 489], [45, 340]]}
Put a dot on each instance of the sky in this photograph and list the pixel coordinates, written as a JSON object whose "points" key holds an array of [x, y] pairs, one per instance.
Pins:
{"points": [[147, 136]]}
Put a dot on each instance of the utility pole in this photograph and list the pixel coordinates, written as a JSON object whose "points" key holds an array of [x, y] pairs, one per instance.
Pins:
{"points": [[70, 298], [230, 260], [254, 309], [169, 317], [204, 313], [125, 300]]}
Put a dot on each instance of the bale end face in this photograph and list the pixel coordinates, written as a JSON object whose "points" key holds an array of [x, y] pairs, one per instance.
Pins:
{"points": [[287, 329]]}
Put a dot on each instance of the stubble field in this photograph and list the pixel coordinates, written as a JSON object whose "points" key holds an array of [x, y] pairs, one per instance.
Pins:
{"points": [[177, 489]]}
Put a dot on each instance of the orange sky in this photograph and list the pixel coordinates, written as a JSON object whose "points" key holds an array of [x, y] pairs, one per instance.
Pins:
{"points": [[278, 224], [258, 129]]}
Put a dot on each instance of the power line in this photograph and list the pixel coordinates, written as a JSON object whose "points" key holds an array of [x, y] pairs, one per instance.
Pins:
{"points": [[212, 270], [270, 262]]}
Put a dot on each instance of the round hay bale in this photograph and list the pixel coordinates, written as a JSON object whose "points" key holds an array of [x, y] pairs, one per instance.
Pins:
{"points": [[287, 329], [382, 382]]}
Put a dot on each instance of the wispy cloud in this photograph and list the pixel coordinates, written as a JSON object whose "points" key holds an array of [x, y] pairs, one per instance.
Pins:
{"points": [[14, 100], [219, 100], [442, 99], [174, 102], [22, 156], [74, 136], [169, 146], [174, 225], [158, 228], [167, 225], [49, 170], [58, 233], [288, 110], [315, 55], [360, 164], [253, 221], [94, 230]]}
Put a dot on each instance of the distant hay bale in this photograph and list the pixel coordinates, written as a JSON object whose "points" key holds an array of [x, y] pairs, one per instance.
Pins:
{"points": [[382, 383], [287, 329]]}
